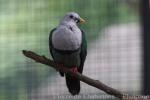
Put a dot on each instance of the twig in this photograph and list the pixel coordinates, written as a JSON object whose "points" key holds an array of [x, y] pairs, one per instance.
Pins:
{"points": [[83, 78]]}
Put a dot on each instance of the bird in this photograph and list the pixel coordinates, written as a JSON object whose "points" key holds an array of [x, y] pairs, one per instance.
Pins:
{"points": [[68, 47]]}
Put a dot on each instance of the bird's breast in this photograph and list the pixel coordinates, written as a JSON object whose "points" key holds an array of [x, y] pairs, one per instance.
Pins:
{"points": [[67, 38]]}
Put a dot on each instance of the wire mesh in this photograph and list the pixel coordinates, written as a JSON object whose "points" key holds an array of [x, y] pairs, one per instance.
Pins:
{"points": [[114, 47]]}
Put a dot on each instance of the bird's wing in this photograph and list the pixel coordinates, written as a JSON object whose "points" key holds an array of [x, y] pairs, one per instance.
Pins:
{"points": [[50, 42], [83, 52]]}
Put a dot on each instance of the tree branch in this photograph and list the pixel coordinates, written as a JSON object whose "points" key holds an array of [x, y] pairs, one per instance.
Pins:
{"points": [[83, 78]]}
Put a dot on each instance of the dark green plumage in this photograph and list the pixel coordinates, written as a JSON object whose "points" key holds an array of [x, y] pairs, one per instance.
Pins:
{"points": [[70, 58], [82, 49]]}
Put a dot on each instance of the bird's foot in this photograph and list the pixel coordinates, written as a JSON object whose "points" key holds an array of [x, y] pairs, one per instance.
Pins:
{"points": [[74, 69]]}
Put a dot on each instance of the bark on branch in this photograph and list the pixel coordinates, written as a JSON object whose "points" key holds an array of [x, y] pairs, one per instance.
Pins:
{"points": [[83, 78]]}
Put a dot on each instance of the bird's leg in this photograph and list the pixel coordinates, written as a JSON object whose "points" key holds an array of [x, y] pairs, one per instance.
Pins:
{"points": [[74, 69]]}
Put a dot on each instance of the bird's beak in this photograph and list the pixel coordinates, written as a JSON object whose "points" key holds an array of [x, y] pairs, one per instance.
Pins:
{"points": [[82, 20]]}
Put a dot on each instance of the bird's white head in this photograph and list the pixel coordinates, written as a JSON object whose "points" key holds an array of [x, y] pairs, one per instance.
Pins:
{"points": [[72, 17]]}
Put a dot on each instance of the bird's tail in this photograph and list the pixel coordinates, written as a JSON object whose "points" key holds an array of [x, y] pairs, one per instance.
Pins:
{"points": [[73, 84]]}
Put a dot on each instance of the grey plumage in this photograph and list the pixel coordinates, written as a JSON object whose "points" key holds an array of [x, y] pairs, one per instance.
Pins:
{"points": [[68, 47]]}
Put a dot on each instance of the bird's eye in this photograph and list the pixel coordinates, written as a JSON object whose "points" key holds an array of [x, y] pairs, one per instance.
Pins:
{"points": [[71, 16]]}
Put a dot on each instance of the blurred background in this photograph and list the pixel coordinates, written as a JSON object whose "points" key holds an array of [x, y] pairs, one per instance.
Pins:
{"points": [[114, 35]]}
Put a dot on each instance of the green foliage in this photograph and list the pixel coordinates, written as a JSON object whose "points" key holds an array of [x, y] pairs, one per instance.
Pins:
{"points": [[101, 13]]}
